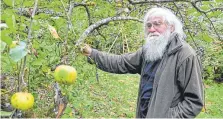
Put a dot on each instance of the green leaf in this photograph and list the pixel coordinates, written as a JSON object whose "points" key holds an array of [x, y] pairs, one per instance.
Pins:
{"points": [[36, 26], [28, 3], [10, 21], [191, 11], [35, 44], [207, 38], [205, 7], [4, 113], [7, 13], [215, 14], [38, 62], [18, 52], [5, 37], [8, 2], [45, 68], [3, 44], [218, 1], [41, 16], [18, 2]]}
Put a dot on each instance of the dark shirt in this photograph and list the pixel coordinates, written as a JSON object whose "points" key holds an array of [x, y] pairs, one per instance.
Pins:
{"points": [[147, 86]]}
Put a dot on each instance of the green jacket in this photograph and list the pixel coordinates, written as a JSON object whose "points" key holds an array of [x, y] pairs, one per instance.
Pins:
{"points": [[177, 89]]}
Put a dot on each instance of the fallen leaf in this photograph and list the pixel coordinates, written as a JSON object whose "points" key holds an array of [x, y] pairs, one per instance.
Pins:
{"points": [[53, 31]]}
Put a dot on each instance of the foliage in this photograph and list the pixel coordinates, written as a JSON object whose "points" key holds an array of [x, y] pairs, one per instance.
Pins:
{"points": [[42, 52]]}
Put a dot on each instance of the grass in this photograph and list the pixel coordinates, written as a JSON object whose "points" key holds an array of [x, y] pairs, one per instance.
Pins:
{"points": [[213, 101], [115, 96]]}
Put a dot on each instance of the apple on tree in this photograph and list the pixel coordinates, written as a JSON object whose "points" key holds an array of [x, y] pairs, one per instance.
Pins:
{"points": [[22, 100], [65, 74]]}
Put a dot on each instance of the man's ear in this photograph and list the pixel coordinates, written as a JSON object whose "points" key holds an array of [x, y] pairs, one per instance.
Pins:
{"points": [[172, 28]]}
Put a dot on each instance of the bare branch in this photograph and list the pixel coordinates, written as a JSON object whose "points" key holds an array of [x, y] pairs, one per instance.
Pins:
{"points": [[28, 11], [68, 16], [157, 1], [215, 9], [189, 32], [202, 11], [88, 14], [100, 34], [114, 42], [86, 8], [205, 13], [101, 23]]}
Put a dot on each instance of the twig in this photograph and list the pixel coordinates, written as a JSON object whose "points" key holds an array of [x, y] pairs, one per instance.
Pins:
{"points": [[214, 9], [156, 1], [21, 78], [113, 42], [31, 22], [26, 12], [86, 8], [97, 29], [199, 10], [20, 18], [185, 25], [68, 17], [88, 15], [59, 100], [211, 10]]}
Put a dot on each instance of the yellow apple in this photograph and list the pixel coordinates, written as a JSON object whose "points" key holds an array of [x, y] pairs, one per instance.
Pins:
{"points": [[22, 100], [65, 74]]}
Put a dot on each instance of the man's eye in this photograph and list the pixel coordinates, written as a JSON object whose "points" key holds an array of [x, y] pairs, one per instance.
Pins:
{"points": [[149, 25], [157, 23]]}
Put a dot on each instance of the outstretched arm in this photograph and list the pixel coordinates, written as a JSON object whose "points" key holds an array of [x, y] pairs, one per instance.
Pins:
{"points": [[126, 63]]}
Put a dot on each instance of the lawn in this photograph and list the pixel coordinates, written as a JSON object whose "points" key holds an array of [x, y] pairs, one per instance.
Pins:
{"points": [[115, 96], [213, 101]]}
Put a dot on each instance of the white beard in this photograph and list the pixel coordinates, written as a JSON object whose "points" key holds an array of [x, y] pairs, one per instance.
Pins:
{"points": [[155, 46]]}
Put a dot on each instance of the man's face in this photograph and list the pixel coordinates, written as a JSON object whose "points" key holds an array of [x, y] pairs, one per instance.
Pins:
{"points": [[155, 27], [158, 34]]}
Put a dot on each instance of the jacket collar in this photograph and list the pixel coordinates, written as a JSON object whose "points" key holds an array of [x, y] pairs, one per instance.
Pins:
{"points": [[175, 44]]}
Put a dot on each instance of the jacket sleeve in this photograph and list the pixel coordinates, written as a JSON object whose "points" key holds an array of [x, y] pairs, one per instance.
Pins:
{"points": [[126, 63], [190, 81]]}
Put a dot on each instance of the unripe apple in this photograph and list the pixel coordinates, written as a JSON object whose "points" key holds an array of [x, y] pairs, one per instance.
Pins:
{"points": [[65, 74]]}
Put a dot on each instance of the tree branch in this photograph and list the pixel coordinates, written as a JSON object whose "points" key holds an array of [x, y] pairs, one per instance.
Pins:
{"points": [[88, 14], [99, 24], [97, 29], [68, 16], [202, 11], [190, 34], [86, 8], [157, 1], [21, 78], [205, 13], [28, 11], [215, 9]]}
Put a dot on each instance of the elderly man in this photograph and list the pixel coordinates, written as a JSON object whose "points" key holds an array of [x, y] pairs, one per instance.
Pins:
{"points": [[170, 84]]}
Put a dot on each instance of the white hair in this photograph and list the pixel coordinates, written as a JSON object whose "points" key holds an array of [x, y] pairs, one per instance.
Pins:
{"points": [[169, 17], [155, 47]]}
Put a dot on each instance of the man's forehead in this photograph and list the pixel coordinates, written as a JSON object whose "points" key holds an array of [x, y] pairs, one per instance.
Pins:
{"points": [[155, 18]]}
